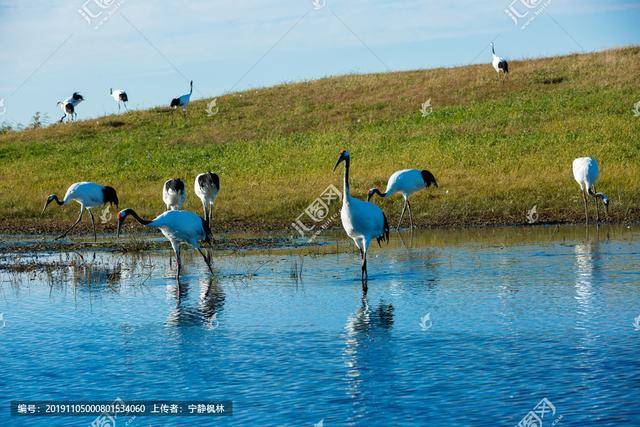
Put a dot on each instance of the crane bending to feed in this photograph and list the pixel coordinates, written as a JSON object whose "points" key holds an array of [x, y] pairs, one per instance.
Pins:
{"points": [[68, 106], [89, 195], [406, 182], [586, 174], [178, 227], [183, 101]]}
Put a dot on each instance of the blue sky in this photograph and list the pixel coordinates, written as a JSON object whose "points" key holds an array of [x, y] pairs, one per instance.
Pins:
{"points": [[152, 48]]}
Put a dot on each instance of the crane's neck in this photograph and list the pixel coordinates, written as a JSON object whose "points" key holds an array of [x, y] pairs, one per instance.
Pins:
{"points": [[137, 218], [58, 201], [493, 50], [602, 196], [190, 88], [376, 191], [347, 191]]}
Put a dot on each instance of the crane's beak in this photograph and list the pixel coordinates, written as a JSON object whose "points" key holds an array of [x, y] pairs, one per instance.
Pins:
{"points": [[45, 207], [338, 162], [49, 200], [120, 220]]}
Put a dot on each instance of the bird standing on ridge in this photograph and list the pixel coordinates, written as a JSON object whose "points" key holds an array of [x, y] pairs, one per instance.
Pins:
{"points": [[586, 173], [178, 227], [406, 182], [183, 101], [119, 96], [174, 194], [68, 106], [363, 221], [89, 195], [499, 64], [206, 187]]}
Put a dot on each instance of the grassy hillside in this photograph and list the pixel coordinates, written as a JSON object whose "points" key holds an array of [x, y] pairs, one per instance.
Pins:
{"points": [[497, 149]]}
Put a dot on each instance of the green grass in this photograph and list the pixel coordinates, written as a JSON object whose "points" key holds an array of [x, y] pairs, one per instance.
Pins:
{"points": [[497, 149]]}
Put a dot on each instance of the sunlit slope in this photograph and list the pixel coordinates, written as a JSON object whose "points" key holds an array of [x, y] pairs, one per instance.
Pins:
{"points": [[497, 149]]}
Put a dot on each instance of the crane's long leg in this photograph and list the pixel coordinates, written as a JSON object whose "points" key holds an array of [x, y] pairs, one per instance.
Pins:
{"points": [[359, 244], [365, 276], [410, 215], [402, 214], [93, 224], [206, 212], [207, 260], [176, 250], [73, 226], [125, 106], [586, 211]]}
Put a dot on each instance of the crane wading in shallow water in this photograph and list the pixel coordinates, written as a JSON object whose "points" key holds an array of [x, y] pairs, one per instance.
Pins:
{"points": [[586, 174], [178, 227], [89, 195], [362, 221], [406, 182]]}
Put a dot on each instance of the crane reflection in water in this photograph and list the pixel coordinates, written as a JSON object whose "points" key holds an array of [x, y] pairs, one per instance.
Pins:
{"points": [[367, 352]]}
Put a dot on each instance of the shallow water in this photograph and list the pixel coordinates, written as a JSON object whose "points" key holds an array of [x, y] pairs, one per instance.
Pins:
{"points": [[468, 327]]}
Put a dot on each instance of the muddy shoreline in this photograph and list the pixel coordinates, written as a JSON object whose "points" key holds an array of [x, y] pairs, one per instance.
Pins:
{"points": [[34, 237]]}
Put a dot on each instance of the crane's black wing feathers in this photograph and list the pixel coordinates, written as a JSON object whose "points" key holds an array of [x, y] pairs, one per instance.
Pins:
{"points": [[385, 231], [428, 178], [209, 180], [176, 185]]}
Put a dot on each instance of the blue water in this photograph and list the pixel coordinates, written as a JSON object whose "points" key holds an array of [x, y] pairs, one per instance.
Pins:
{"points": [[460, 333]]}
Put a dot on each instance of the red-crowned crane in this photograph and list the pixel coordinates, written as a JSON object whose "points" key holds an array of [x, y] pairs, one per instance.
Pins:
{"points": [[406, 182], [88, 195], [206, 187], [586, 173], [174, 194], [178, 227], [363, 221], [183, 100], [499, 64], [68, 106], [120, 96]]}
